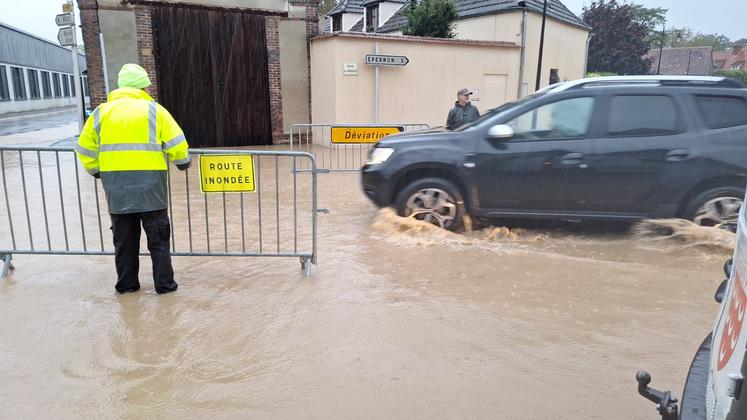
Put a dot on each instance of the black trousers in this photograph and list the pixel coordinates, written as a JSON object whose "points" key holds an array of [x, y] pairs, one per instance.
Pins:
{"points": [[126, 230]]}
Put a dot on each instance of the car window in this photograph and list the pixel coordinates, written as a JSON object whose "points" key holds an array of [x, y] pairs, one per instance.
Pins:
{"points": [[495, 111], [568, 118], [722, 111], [642, 115]]}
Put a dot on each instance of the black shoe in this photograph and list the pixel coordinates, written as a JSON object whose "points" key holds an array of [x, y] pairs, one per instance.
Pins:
{"points": [[169, 289], [130, 290]]}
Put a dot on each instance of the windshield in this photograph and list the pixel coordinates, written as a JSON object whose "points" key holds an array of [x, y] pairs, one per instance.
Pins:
{"points": [[492, 112]]}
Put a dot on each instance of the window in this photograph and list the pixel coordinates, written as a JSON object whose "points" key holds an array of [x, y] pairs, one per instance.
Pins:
{"points": [[65, 85], [568, 118], [722, 111], [632, 115], [19, 82], [84, 85], [738, 65], [46, 87], [372, 18], [4, 89], [56, 84], [33, 84], [337, 22], [73, 93]]}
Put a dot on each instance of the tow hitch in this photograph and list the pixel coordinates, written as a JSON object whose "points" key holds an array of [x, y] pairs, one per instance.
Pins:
{"points": [[666, 404]]}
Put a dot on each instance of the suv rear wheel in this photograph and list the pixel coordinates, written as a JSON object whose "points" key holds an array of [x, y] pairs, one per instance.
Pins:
{"points": [[715, 206], [432, 200]]}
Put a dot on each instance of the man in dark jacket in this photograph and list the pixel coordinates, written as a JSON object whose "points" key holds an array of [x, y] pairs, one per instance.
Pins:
{"points": [[463, 111]]}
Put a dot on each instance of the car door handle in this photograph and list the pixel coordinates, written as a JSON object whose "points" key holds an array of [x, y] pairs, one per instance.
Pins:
{"points": [[572, 159], [677, 155]]}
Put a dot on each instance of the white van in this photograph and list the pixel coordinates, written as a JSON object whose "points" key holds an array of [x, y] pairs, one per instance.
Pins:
{"points": [[713, 390]]}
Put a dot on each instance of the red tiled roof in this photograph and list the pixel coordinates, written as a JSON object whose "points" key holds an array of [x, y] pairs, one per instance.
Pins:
{"points": [[724, 60]]}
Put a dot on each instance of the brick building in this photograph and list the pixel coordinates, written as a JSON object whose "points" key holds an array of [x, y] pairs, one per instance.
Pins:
{"points": [[696, 61], [233, 72], [736, 59]]}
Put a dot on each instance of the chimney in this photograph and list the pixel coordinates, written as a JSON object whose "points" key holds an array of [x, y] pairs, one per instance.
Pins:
{"points": [[738, 46]]}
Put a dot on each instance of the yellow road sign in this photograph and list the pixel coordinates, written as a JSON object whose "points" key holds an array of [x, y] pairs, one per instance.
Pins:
{"points": [[226, 173], [350, 134]]}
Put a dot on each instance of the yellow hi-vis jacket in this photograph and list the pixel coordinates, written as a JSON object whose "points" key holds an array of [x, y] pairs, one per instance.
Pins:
{"points": [[127, 141]]}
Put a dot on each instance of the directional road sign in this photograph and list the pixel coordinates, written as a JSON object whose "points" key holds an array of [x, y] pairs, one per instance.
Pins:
{"points": [[386, 60], [66, 36], [65, 19]]}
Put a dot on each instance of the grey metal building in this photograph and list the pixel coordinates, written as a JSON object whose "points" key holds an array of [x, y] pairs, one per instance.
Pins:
{"points": [[35, 73]]}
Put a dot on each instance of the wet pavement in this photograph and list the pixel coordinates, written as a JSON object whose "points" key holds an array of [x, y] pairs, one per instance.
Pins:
{"points": [[37, 120], [398, 320]]}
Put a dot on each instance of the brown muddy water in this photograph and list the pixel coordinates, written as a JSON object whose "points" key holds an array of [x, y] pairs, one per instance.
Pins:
{"points": [[398, 320]]}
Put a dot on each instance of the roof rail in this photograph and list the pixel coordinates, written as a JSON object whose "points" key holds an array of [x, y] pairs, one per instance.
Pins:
{"points": [[652, 80]]}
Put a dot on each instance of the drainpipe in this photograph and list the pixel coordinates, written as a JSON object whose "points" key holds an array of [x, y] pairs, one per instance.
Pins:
{"points": [[523, 48], [103, 62]]}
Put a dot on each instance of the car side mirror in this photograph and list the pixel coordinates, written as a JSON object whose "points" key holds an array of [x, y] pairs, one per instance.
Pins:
{"points": [[500, 131]]}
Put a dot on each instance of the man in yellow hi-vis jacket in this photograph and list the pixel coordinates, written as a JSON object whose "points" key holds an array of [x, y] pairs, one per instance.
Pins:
{"points": [[126, 143]]}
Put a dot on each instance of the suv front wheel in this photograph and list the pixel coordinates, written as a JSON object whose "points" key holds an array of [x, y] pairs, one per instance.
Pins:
{"points": [[432, 200]]}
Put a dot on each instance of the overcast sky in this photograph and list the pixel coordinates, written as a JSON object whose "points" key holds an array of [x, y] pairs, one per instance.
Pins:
{"points": [[35, 16], [726, 17]]}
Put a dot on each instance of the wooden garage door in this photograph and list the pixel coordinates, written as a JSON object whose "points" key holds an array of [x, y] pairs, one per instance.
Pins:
{"points": [[212, 75]]}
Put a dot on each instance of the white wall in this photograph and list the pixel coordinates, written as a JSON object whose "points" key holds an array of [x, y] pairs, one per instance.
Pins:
{"points": [[423, 91], [350, 19], [387, 10]]}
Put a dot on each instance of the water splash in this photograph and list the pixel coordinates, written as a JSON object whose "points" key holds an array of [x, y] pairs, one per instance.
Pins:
{"points": [[662, 235], [674, 234]]}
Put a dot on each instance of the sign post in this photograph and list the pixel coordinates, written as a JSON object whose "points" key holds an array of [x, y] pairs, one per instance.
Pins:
{"points": [[65, 19], [379, 60], [387, 60], [67, 38]]}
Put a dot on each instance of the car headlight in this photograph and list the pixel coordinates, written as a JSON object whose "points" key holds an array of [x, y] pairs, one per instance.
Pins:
{"points": [[379, 155]]}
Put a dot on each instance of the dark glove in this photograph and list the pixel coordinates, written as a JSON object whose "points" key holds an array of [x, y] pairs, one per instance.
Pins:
{"points": [[97, 175], [184, 166]]}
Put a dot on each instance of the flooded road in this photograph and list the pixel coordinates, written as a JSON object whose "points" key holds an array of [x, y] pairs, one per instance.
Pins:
{"points": [[398, 320]]}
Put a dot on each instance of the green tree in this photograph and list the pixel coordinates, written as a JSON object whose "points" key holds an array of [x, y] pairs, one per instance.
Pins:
{"points": [[619, 42], [654, 19], [717, 41], [326, 5], [687, 38], [432, 18]]}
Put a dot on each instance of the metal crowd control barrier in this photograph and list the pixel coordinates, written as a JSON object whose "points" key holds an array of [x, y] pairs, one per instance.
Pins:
{"points": [[52, 207], [337, 157]]}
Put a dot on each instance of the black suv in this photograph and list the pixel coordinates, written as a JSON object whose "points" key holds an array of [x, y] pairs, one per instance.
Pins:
{"points": [[614, 148]]}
